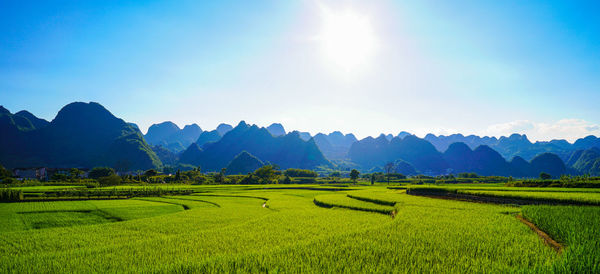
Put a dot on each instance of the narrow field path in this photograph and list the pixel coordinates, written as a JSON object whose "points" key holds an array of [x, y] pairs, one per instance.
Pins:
{"points": [[500, 200], [547, 239]]}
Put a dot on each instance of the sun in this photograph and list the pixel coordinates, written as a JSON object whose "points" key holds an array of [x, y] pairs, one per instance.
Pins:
{"points": [[347, 38]]}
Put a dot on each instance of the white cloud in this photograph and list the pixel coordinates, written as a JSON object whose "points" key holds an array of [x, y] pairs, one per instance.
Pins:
{"points": [[569, 129], [503, 129]]}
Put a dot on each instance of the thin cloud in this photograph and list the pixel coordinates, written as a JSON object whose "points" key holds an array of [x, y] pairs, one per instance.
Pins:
{"points": [[568, 129]]}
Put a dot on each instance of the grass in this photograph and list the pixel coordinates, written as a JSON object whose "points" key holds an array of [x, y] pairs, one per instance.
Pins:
{"points": [[491, 187], [569, 197], [576, 226], [38, 215], [343, 201], [226, 229], [48, 219]]}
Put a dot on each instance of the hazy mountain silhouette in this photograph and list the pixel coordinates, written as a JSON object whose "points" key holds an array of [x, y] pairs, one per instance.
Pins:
{"points": [[334, 145], [521, 168], [191, 155], [170, 136], [208, 137], [213, 135], [442, 142], [243, 163], [166, 156], [549, 163], [516, 145], [487, 161], [304, 135], [586, 161], [587, 142], [276, 129], [87, 135], [458, 158], [81, 135], [223, 128], [403, 134], [403, 167], [370, 152], [159, 132], [286, 151], [422, 155], [37, 123]]}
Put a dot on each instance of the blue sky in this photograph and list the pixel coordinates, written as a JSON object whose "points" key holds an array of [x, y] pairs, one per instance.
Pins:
{"points": [[484, 67]]}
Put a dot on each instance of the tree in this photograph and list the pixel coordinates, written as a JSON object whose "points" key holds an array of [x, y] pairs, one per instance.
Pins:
{"points": [[75, 173], [150, 173], [266, 174], [178, 175], [389, 168], [335, 174], [220, 177], [354, 175], [468, 175], [59, 177], [98, 172], [295, 172], [372, 179], [4, 172], [545, 176], [111, 180]]}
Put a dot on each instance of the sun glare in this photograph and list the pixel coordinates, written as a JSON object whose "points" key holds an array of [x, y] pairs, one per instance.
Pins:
{"points": [[347, 38]]}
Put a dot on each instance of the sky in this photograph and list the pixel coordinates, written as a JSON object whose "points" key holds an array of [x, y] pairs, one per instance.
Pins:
{"points": [[363, 67]]}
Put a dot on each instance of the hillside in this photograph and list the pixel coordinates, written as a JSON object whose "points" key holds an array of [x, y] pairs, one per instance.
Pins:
{"points": [[334, 145], [81, 135], [286, 151], [243, 163], [515, 145], [170, 136]]}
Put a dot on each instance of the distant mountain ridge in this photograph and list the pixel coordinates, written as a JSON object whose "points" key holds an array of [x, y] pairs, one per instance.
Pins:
{"points": [[286, 151], [170, 136], [515, 145], [335, 145], [87, 135], [81, 135], [276, 129], [243, 163], [586, 161], [458, 158]]}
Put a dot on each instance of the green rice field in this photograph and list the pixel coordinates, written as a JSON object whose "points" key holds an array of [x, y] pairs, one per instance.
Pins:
{"points": [[296, 229]]}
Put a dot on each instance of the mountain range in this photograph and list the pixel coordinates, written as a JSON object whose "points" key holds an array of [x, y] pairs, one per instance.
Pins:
{"points": [[170, 136], [515, 144], [88, 135], [286, 151], [243, 163], [81, 135]]}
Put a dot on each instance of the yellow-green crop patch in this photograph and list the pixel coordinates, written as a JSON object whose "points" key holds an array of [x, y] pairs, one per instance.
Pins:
{"points": [[569, 197], [231, 229], [343, 201], [38, 215]]}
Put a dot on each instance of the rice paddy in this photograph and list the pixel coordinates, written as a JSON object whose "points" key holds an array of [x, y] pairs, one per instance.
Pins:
{"points": [[274, 229]]}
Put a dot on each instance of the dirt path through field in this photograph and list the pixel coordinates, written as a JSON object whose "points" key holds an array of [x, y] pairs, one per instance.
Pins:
{"points": [[547, 239]]}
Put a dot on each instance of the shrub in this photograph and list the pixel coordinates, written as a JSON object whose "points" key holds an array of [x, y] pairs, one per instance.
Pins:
{"points": [[111, 180], [295, 172], [98, 172], [11, 195]]}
